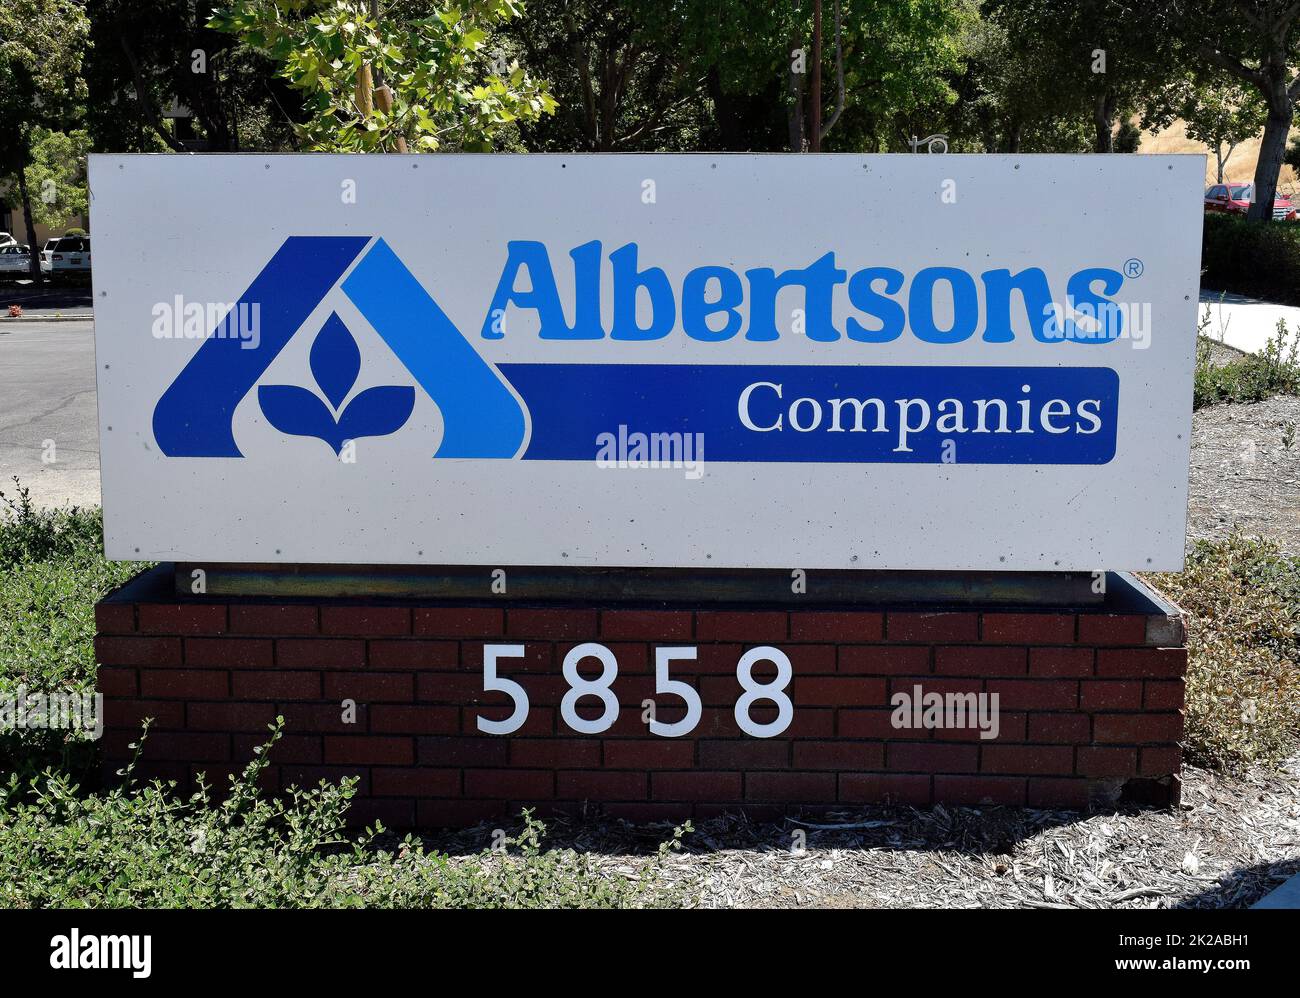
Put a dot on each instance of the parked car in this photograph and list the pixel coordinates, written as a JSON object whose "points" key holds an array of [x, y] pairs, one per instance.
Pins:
{"points": [[1236, 199], [47, 251], [15, 259], [70, 255], [6, 239]]}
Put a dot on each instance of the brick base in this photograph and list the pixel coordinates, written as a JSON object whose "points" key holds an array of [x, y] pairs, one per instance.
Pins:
{"points": [[1091, 703]]}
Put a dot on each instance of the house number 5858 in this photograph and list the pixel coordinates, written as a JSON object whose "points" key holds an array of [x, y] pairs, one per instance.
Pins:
{"points": [[600, 688]]}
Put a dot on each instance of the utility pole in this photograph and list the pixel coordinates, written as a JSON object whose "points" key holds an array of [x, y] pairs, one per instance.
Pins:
{"points": [[815, 94]]}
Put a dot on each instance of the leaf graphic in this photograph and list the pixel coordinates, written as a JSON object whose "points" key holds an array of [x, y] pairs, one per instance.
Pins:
{"points": [[377, 411], [295, 410], [335, 360]]}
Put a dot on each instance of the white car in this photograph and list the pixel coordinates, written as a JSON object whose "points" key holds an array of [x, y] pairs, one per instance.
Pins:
{"points": [[15, 259], [70, 255], [47, 251], [6, 239]]}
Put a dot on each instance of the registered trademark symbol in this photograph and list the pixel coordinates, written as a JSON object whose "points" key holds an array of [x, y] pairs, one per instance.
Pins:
{"points": [[1133, 267]]}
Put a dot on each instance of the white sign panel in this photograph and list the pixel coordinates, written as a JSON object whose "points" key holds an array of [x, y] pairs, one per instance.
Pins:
{"points": [[905, 362]]}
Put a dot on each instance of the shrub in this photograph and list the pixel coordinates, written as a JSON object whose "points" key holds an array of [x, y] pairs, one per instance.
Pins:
{"points": [[1242, 599], [142, 846], [52, 571], [1274, 370], [29, 533], [1254, 258]]}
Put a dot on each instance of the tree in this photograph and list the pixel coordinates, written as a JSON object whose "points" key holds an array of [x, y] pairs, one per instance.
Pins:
{"points": [[734, 74], [1256, 41], [56, 176], [1218, 110], [886, 66], [1292, 156], [627, 75], [1128, 138], [899, 59], [375, 83], [41, 45], [1009, 96], [1107, 58], [159, 79]]}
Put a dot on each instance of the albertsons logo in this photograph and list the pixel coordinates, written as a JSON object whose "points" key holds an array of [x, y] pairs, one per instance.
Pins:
{"points": [[755, 411], [481, 418]]}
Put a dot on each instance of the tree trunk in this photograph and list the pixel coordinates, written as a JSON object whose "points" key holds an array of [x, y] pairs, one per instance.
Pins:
{"points": [[815, 97], [1103, 114], [1014, 131], [1271, 151], [795, 113], [34, 264]]}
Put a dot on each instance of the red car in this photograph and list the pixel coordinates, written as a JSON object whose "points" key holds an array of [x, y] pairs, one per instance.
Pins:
{"points": [[1237, 199]]}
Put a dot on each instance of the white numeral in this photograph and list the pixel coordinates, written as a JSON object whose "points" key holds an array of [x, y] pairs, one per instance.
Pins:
{"points": [[493, 682], [599, 687], [774, 691], [664, 657], [675, 687]]}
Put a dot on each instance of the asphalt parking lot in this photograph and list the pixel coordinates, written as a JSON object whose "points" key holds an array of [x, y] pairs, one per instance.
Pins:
{"points": [[49, 431]]}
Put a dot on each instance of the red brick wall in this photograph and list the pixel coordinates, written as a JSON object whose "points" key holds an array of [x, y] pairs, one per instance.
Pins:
{"points": [[1091, 706]]}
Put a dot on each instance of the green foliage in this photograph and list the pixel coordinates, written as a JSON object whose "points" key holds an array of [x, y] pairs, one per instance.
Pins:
{"points": [[1275, 370], [626, 75], [42, 43], [1218, 109], [57, 176], [718, 74], [1261, 259], [443, 93], [148, 58], [41, 47], [1128, 138], [1242, 598], [1091, 60], [29, 533], [140, 845], [900, 59], [1292, 155], [52, 570]]}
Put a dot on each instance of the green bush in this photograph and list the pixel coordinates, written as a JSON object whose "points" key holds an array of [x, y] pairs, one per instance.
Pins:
{"points": [[1252, 258], [1242, 599], [141, 846], [52, 571], [29, 533], [1274, 370]]}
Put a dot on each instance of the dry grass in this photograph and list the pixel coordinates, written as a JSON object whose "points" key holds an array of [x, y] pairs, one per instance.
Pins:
{"points": [[1240, 166]]}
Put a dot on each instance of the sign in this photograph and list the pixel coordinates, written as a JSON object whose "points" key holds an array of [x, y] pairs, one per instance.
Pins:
{"points": [[946, 362]]}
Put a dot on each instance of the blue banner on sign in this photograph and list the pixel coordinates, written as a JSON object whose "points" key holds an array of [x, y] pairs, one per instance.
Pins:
{"points": [[836, 414]]}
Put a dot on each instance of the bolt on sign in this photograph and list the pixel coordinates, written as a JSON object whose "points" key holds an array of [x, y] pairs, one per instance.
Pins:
{"points": [[957, 362]]}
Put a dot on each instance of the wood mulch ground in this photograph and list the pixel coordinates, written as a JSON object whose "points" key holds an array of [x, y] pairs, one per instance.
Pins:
{"points": [[1229, 843], [1245, 471]]}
